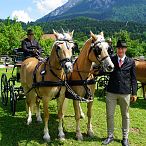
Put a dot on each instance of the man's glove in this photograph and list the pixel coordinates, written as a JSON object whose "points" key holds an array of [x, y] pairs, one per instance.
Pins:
{"points": [[133, 98]]}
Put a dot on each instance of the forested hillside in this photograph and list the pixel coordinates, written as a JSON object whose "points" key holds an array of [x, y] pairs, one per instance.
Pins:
{"points": [[12, 32], [83, 25]]}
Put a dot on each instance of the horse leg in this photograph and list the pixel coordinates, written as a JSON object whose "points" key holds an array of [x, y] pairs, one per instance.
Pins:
{"points": [[144, 91], [81, 112], [31, 102], [29, 107], [89, 114], [38, 114], [61, 109], [29, 119], [79, 135], [46, 136], [61, 134], [28, 104]]}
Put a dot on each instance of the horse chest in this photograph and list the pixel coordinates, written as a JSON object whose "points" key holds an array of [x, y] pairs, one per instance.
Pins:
{"points": [[48, 91]]}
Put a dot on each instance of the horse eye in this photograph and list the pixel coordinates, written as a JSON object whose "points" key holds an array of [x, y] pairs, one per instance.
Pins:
{"points": [[57, 48]]}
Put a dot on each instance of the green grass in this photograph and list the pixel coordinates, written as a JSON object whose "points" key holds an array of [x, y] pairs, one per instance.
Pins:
{"points": [[15, 132]]}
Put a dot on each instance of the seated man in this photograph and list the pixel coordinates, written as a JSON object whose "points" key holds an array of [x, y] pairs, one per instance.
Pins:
{"points": [[31, 47]]}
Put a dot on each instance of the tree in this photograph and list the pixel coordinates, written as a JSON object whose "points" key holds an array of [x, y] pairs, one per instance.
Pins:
{"points": [[135, 48], [38, 32], [47, 46], [11, 34]]}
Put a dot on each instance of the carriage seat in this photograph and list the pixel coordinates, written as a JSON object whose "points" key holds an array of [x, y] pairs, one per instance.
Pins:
{"points": [[19, 57]]}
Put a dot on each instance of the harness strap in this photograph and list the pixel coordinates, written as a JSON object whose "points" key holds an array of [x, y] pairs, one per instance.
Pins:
{"points": [[48, 84], [55, 74], [35, 70], [81, 82], [87, 89], [43, 72]]}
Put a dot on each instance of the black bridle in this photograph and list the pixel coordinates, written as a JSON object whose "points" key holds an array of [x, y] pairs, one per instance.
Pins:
{"points": [[64, 60], [88, 95], [97, 51]]}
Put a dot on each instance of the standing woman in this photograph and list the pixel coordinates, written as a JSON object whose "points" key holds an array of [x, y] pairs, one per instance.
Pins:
{"points": [[122, 85]]}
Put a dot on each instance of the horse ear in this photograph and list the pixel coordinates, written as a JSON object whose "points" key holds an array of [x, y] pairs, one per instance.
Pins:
{"points": [[72, 33], [93, 36], [55, 33], [102, 33]]}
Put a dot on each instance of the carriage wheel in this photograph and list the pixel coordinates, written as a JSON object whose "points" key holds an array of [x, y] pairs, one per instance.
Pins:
{"points": [[13, 100], [101, 85], [4, 89]]}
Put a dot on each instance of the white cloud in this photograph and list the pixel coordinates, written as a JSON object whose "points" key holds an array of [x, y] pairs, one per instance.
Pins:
{"points": [[21, 15], [45, 6]]}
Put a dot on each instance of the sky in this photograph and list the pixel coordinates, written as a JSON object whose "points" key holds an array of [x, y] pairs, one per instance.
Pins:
{"points": [[27, 10]]}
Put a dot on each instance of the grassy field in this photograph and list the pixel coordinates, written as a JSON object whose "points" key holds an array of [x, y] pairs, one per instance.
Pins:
{"points": [[15, 132]]}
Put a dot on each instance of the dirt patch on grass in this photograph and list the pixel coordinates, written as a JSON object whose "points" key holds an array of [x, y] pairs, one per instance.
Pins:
{"points": [[135, 130]]}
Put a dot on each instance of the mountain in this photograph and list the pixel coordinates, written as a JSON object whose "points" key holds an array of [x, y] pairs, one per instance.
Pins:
{"points": [[117, 10]]}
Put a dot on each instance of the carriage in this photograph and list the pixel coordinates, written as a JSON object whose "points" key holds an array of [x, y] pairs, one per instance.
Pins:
{"points": [[10, 86], [101, 84]]}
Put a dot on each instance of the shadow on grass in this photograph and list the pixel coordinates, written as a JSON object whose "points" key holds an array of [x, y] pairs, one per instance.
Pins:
{"points": [[14, 131], [140, 103], [20, 107]]}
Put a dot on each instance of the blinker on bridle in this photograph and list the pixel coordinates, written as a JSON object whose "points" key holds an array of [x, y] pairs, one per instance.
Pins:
{"points": [[97, 50], [63, 61]]}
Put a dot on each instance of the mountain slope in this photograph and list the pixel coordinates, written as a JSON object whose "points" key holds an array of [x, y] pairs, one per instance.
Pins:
{"points": [[119, 10]]}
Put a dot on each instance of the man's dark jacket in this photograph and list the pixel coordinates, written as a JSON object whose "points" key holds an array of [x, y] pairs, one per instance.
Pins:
{"points": [[28, 45], [123, 80]]}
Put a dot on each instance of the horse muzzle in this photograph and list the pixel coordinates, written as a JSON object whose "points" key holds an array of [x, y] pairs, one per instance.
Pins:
{"points": [[68, 67], [109, 68], [108, 65]]}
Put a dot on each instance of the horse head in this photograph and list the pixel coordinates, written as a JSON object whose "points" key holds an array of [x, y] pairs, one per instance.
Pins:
{"points": [[63, 47], [99, 52]]}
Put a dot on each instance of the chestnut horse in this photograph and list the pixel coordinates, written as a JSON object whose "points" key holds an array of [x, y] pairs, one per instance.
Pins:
{"points": [[94, 50], [53, 70], [141, 74]]}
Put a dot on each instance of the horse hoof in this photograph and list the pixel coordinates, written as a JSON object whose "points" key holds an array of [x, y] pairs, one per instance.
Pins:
{"points": [[82, 116], [62, 138], [46, 137], [79, 137], [90, 133], [39, 120], [29, 121]]}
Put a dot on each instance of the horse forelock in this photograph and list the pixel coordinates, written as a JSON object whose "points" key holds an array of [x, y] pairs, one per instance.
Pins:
{"points": [[64, 36], [100, 38], [60, 36], [67, 36]]}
